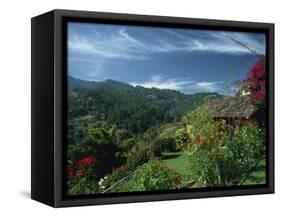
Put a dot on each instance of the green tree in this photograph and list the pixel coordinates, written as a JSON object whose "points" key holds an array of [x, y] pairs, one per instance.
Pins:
{"points": [[102, 145]]}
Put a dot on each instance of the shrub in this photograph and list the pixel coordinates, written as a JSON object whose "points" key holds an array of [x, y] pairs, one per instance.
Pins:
{"points": [[82, 176], [205, 147], [203, 169], [104, 148], [128, 144], [243, 151], [136, 159], [153, 175], [161, 145], [219, 156], [181, 137], [203, 132]]}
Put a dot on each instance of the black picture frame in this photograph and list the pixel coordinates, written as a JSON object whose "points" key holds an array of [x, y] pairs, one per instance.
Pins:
{"points": [[49, 105]]}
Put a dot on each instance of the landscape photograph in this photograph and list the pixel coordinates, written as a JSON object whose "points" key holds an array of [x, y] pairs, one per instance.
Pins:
{"points": [[155, 108]]}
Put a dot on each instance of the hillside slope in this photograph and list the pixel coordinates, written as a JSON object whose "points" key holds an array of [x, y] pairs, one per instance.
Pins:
{"points": [[135, 109]]}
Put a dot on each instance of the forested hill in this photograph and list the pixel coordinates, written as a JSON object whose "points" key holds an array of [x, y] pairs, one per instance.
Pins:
{"points": [[132, 108]]}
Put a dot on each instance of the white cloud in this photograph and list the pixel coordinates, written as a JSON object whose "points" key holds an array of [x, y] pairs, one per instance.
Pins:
{"points": [[235, 43], [245, 39], [120, 44], [176, 34], [117, 45], [208, 86], [229, 42], [157, 81], [180, 84], [169, 84]]}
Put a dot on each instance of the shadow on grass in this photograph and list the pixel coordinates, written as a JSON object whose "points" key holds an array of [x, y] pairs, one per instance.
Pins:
{"points": [[170, 156], [258, 174], [256, 179], [260, 168]]}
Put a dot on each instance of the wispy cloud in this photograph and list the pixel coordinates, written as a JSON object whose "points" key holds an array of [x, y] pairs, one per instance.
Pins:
{"points": [[157, 81], [222, 42], [207, 86], [185, 85], [115, 45], [119, 43]]}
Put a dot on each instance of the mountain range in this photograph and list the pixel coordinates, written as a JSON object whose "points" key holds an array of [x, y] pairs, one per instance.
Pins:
{"points": [[135, 109]]}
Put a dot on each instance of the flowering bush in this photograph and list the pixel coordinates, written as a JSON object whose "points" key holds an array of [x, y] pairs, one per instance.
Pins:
{"points": [[81, 176], [87, 161], [203, 132], [221, 154], [256, 82], [205, 147], [82, 166]]}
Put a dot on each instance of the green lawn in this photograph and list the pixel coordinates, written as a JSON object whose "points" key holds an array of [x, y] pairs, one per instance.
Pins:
{"points": [[176, 160], [179, 160], [258, 176]]}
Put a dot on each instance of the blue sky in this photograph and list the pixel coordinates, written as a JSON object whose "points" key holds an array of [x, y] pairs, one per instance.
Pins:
{"points": [[186, 60]]}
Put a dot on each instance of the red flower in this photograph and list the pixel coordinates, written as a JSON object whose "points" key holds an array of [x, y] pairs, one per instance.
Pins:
{"points": [[178, 179], [80, 173], [87, 161], [70, 170], [254, 125], [199, 139], [243, 122]]}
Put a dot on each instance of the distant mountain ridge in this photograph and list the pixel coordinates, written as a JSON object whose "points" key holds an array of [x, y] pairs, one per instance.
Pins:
{"points": [[75, 83], [78, 83]]}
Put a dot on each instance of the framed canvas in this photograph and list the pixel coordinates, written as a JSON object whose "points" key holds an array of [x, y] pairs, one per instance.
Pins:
{"points": [[134, 108]]}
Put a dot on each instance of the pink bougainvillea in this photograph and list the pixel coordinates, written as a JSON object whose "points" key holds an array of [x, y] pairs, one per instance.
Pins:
{"points": [[255, 82]]}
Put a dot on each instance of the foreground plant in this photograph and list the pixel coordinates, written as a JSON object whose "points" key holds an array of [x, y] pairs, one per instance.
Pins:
{"points": [[154, 175], [221, 154], [81, 176]]}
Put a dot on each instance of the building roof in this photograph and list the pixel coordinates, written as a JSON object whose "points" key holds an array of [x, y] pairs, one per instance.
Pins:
{"points": [[237, 106]]}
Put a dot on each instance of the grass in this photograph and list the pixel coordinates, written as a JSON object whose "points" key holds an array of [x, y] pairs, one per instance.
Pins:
{"points": [[179, 160], [258, 176], [176, 160]]}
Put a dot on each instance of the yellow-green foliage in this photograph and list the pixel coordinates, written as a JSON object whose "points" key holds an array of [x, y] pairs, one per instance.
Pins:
{"points": [[204, 132], [220, 154]]}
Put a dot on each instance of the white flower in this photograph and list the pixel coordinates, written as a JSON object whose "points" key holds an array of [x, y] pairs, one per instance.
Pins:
{"points": [[101, 181]]}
